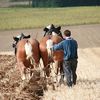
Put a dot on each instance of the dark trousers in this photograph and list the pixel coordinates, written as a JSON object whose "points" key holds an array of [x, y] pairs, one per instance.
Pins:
{"points": [[69, 68]]}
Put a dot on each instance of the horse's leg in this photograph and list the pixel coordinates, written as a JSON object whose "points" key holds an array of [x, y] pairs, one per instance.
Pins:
{"points": [[29, 71], [47, 69], [55, 71], [22, 70], [46, 64]]}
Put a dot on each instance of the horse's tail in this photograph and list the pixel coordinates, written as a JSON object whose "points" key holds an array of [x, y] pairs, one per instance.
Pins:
{"points": [[28, 49], [49, 43]]}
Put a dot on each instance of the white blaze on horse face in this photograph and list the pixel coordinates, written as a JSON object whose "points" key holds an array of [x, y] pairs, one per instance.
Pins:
{"points": [[28, 50], [53, 33], [49, 43]]}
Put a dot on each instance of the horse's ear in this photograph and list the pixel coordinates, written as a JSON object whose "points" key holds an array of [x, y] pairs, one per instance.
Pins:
{"points": [[29, 36], [58, 28], [46, 29], [52, 26]]}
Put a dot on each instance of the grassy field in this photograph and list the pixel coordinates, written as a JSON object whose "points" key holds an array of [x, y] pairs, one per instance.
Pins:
{"points": [[22, 18]]}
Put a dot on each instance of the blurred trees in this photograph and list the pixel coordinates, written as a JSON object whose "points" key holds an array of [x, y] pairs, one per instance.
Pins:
{"points": [[64, 3], [60, 3]]}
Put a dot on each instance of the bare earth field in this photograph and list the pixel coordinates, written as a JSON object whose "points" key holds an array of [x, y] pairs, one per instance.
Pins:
{"points": [[88, 71]]}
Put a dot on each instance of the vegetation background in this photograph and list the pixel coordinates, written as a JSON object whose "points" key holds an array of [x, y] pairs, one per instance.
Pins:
{"points": [[21, 14], [24, 18]]}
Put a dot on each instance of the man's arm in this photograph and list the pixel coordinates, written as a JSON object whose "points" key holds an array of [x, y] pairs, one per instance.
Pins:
{"points": [[58, 46], [76, 48]]}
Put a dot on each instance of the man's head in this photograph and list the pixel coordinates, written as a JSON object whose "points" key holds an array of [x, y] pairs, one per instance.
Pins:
{"points": [[67, 33]]}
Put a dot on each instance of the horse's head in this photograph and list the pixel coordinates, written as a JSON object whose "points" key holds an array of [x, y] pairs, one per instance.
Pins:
{"points": [[18, 38], [52, 30]]}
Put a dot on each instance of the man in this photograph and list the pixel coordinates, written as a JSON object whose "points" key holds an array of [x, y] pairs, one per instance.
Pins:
{"points": [[69, 46]]}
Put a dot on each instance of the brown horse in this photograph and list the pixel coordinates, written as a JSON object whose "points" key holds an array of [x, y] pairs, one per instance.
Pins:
{"points": [[27, 55], [51, 57]]}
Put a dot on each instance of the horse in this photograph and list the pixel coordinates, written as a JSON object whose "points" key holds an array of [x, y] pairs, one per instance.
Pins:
{"points": [[48, 56], [27, 55]]}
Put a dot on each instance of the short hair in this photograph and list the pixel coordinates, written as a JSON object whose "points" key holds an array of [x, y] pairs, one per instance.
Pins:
{"points": [[67, 33]]}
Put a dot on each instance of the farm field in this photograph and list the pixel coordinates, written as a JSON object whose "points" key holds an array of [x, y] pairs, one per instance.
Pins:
{"points": [[26, 18], [88, 71]]}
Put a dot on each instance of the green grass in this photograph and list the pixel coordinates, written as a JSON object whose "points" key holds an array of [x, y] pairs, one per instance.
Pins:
{"points": [[22, 18]]}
